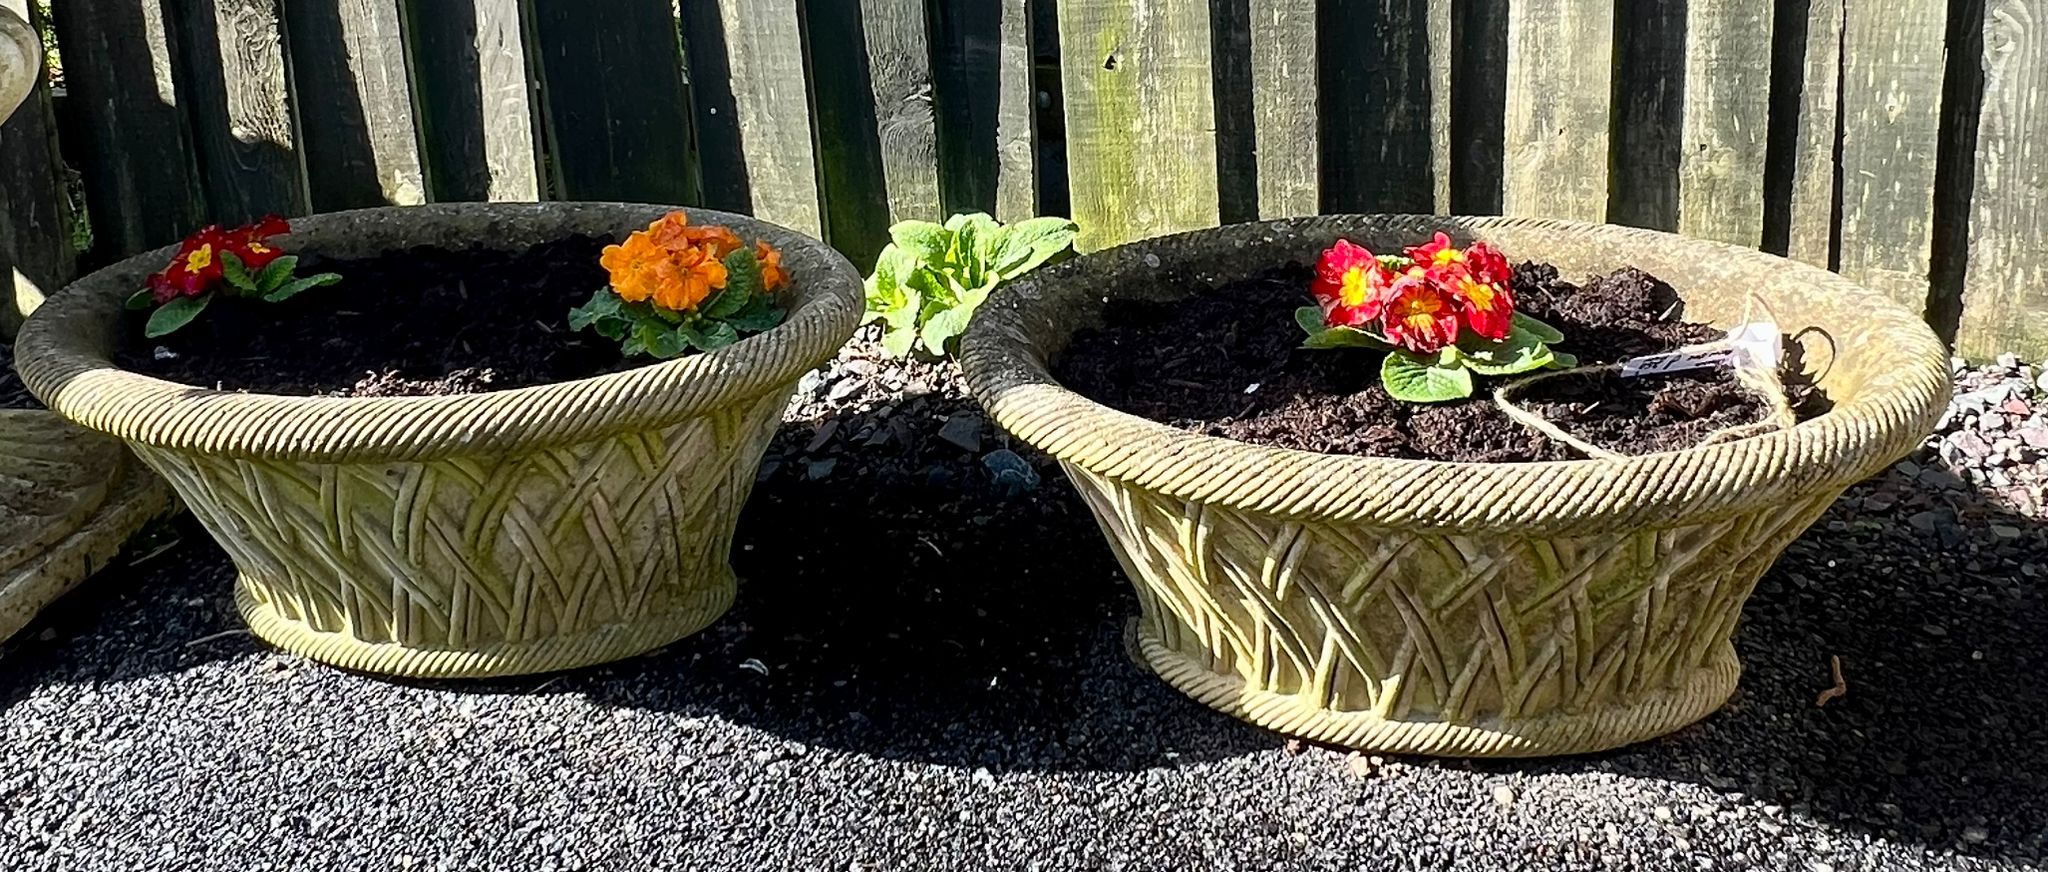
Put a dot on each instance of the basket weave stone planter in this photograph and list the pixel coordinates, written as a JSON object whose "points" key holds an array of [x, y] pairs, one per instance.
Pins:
{"points": [[1444, 608], [520, 531]]}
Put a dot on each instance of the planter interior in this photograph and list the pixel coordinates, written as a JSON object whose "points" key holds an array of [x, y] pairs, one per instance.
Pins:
{"points": [[1447, 608], [511, 532]]}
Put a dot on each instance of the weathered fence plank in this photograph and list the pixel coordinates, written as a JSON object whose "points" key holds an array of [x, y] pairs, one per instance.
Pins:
{"points": [[900, 73], [475, 113], [1891, 102], [1560, 56], [614, 108], [1377, 142], [1141, 147], [747, 69], [141, 187], [1648, 113], [355, 103], [36, 254], [986, 123], [1284, 107], [232, 63], [2005, 293], [1479, 81], [1800, 216], [1726, 118], [877, 141], [1440, 42]]}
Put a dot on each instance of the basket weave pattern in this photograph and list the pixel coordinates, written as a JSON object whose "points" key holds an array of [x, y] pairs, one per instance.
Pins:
{"points": [[500, 533], [1456, 608]]}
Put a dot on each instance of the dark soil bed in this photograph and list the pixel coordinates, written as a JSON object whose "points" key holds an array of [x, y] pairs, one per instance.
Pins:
{"points": [[1228, 362], [412, 322]]}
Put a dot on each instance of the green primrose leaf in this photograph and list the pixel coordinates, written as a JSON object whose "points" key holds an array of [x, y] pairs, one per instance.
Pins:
{"points": [[175, 314], [974, 236], [277, 273], [1519, 353], [943, 327], [294, 287], [742, 284], [924, 241], [760, 314], [898, 341], [603, 304], [708, 335], [651, 336], [1028, 244], [140, 300], [1543, 332], [1345, 337], [1414, 379], [1561, 360], [1310, 318], [236, 272], [889, 298]]}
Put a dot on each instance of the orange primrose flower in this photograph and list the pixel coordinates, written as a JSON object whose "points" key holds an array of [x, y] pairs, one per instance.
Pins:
{"points": [[697, 272], [773, 276], [1418, 316], [673, 232], [1350, 285]]}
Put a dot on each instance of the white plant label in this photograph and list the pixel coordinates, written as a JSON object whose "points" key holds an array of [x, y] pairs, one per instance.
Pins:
{"points": [[1756, 345]]}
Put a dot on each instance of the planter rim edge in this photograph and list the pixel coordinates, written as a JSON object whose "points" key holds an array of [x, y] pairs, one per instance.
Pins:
{"points": [[62, 362]]}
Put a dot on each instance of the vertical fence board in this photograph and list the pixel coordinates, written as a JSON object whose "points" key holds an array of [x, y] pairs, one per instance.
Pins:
{"points": [[1727, 113], [747, 68], [1800, 216], [36, 255], [1440, 37], [1891, 96], [1377, 143], [1017, 117], [355, 103], [1479, 81], [1284, 107], [900, 73], [1141, 148], [613, 103], [475, 108], [135, 155], [232, 69], [2005, 293], [1647, 113], [1560, 56], [985, 113]]}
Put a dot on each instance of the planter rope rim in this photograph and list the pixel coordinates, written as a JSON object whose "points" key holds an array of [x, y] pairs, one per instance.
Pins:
{"points": [[61, 353], [1007, 369]]}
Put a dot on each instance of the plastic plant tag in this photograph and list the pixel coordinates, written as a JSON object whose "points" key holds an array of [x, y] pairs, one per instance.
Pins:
{"points": [[1755, 345]]}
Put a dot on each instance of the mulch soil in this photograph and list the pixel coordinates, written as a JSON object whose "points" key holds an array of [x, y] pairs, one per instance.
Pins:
{"points": [[412, 322], [1228, 361]]}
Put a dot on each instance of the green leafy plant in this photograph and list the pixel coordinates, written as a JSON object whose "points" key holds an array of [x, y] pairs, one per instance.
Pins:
{"points": [[930, 279], [675, 288]]}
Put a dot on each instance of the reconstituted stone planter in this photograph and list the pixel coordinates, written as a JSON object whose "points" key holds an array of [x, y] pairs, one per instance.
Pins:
{"points": [[502, 533], [1444, 608]]}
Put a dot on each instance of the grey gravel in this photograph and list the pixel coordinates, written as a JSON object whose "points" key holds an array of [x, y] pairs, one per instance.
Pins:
{"points": [[144, 730]]}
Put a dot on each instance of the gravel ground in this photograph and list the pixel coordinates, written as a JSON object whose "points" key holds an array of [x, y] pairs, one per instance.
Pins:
{"points": [[935, 704]]}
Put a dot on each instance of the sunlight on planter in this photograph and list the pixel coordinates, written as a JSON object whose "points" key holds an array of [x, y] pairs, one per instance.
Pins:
{"points": [[500, 533], [1451, 608]]}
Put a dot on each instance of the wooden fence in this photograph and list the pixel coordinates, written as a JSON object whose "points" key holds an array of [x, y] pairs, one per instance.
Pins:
{"points": [[1903, 142]]}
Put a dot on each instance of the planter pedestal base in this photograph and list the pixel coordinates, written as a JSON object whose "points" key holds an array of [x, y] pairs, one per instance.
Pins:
{"points": [[602, 645], [1546, 734]]}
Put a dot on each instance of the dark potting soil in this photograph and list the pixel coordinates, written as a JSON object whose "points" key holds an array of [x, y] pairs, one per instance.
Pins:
{"points": [[1228, 362], [413, 322]]}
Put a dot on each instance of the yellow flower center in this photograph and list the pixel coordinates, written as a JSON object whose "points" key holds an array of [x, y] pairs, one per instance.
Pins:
{"points": [[199, 260], [1480, 293], [1355, 289]]}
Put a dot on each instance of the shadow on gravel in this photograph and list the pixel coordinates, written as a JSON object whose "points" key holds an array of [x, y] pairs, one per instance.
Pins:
{"points": [[906, 604], [1933, 600], [163, 605]]}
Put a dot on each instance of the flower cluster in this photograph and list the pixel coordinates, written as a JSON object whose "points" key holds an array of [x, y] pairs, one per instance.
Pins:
{"points": [[677, 286], [1441, 312], [1422, 302], [242, 262]]}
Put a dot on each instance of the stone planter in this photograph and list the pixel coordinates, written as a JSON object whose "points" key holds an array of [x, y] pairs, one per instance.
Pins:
{"points": [[1443, 608], [520, 531]]}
